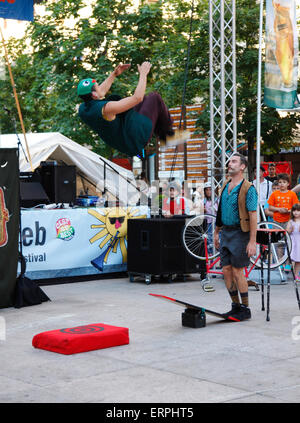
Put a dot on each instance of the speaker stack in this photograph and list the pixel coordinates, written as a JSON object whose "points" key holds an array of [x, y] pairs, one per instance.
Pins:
{"points": [[155, 247], [32, 192], [48, 184], [59, 182]]}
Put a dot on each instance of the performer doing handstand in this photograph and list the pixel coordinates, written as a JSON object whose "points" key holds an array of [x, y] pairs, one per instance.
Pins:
{"points": [[127, 124]]}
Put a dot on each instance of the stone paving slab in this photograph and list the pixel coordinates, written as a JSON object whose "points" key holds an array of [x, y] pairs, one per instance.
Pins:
{"points": [[248, 362]]}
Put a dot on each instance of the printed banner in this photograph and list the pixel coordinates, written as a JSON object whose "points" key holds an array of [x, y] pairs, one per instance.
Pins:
{"points": [[281, 167], [64, 242], [281, 65], [9, 224], [16, 9]]}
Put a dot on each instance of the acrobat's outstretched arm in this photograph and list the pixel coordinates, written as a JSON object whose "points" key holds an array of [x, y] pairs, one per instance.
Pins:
{"points": [[104, 87], [112, 108]]}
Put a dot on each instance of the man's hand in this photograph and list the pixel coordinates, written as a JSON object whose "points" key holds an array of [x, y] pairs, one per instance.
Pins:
{"points": [[144, 68], [251, 248], [216, 240], [121, 68]]}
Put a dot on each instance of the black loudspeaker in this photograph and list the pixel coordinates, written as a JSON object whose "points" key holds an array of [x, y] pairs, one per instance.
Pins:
{"points": [[59, 183], [155, 247], [30, 176], [32, 194]]}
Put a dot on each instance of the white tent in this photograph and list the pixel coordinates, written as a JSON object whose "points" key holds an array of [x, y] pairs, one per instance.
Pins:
{"points": [[89, 165]]}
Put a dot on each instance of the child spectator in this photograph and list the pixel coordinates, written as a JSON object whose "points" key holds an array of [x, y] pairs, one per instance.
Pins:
{"points": [[282, 200], [208, 207], [198, 200], [268, 213], [293, 228], [175, 204]]}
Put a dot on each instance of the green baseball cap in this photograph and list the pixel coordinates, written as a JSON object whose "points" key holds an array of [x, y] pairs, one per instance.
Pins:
{"points": [[85, 86]]}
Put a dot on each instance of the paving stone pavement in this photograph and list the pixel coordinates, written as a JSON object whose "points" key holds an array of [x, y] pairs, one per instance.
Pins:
{"points": [[254, 361]]}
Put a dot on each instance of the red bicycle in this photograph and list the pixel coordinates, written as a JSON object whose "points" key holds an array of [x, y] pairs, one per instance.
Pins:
{"points": [[198, 241]]}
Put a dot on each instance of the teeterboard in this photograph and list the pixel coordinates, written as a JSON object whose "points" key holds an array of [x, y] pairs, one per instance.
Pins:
{"points": [[187, 305]]}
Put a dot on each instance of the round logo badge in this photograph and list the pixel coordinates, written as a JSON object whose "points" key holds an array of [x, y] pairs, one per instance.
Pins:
{"points": [[64, 229]]}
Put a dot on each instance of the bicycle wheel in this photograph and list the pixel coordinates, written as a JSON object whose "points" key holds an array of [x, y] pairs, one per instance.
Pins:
{"points": [[279, 252], [195, 232]]}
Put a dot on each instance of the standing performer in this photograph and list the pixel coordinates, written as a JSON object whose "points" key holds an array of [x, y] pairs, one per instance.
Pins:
{"points": [[293, 228], [237, 224], [127, 124]]}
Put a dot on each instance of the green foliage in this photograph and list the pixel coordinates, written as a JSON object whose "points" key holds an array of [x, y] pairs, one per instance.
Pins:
{"points": [[276, 132], [54, 55], [63, 46]]}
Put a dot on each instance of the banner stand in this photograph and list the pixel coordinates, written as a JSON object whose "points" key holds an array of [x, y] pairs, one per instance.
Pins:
{"points": [[281, 56], [27, 292]]}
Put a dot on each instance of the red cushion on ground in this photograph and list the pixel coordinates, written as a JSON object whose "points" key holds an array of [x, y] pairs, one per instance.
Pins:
{"points": [[81, 338]]}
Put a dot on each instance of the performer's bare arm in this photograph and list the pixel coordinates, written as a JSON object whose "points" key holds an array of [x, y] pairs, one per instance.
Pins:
{"points": [[289, 227], [251, 247], [216, 237], [104, 87], [112, 108]]}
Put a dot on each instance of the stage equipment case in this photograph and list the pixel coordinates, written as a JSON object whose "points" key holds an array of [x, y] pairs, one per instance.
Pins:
{"points": [[155, 247]]}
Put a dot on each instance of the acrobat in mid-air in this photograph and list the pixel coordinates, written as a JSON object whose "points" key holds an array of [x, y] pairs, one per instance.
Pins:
{"points": [[127, 124]]}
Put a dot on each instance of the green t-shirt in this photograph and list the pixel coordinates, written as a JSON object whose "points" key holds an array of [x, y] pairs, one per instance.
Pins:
{"points": [[128, 132]]}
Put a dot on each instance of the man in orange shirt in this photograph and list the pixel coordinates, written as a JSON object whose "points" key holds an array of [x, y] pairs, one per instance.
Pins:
{"points": [[282, 200]]}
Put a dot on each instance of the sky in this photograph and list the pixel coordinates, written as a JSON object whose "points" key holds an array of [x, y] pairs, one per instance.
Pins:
{"points": [[15, 28]]}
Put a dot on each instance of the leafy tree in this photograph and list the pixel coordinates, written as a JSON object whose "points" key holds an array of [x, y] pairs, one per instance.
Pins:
{"points": [[63, 46], [62, 54], [276, 132]]}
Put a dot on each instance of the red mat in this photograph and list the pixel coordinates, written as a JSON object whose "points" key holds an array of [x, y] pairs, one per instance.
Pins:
{"points": [[81, 338]]}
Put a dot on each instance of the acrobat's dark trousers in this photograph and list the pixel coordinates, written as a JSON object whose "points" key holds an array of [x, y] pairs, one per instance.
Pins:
{"points": [[154, 108]]}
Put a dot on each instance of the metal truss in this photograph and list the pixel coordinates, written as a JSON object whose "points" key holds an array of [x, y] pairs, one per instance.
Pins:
{"points": [[222, 58]]}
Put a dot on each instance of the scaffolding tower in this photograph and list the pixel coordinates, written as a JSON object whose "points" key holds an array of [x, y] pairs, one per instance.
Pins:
{"points": [[222, 64]]}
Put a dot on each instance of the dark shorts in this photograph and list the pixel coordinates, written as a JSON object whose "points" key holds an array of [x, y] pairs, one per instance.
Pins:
{"points": [[233, 244]]}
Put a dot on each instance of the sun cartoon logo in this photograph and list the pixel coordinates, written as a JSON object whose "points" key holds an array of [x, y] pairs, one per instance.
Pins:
{"points": [[113, 229]]}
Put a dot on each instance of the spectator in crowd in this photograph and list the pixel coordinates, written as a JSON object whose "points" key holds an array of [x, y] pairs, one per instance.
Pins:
{"points": [[296, 188], [265, 187], [208, 207], [282, 200], [268, 213], [293, 228], [272, 172], [186, 195], [197, 198], [174, 204]]}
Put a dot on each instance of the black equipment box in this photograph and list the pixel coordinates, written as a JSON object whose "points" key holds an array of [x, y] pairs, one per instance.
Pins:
{"points": [[32, 192], [59, 182], [155, 247]]}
